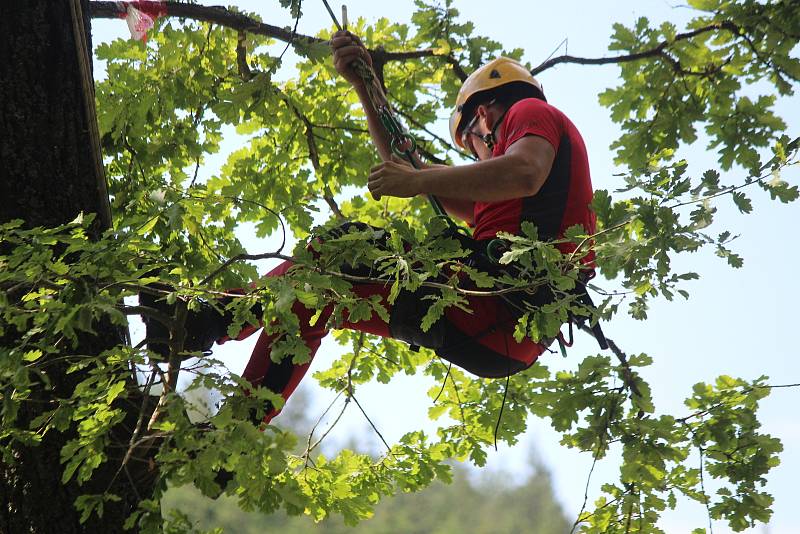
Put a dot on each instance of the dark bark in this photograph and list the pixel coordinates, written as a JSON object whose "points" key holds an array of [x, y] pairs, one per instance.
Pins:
{"points": [[49, 173]]}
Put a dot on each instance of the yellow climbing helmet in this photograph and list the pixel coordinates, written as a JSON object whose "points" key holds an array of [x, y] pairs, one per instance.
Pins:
{"points": [[496, 73]]}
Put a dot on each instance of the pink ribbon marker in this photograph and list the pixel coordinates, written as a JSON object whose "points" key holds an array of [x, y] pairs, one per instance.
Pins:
{"points": [[141, 16]]}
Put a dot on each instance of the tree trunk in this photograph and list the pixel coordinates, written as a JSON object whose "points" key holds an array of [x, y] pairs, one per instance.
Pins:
{"points": [[50, 171]]}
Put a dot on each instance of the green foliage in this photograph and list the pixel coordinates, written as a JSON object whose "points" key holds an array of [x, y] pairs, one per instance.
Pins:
{"points": [[163, 111], [461, 506], [705, 80], [720, 438], [639, 236]]}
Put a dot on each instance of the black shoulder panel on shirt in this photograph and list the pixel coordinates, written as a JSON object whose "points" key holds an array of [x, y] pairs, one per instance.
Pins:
{"points": [[547, 207]]}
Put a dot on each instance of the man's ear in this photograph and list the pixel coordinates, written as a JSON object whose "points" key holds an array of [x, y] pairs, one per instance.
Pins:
{"points": [[482, 112]]}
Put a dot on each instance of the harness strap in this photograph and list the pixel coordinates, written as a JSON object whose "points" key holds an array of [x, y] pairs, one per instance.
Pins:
{"points": [[597, 331], [490, 139]]}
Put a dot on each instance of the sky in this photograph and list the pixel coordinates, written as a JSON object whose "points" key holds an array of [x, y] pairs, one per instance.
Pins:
{"points": [[736, 322]]}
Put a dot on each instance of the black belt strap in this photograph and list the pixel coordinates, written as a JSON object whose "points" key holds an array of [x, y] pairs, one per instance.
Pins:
{"points": [[597, 331]]}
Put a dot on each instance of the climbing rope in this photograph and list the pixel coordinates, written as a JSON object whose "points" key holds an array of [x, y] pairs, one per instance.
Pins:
{"points": [[402, 143]]}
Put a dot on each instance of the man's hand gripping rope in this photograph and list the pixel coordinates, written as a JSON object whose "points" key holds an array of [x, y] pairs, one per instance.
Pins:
{"points": [[355, 64]]}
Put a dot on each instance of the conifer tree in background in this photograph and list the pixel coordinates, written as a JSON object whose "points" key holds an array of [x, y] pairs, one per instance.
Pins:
{"points": [[462, 506], [493, 503]]}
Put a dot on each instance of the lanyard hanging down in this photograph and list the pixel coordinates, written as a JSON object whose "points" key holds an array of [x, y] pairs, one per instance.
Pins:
{"points": [[402, 143]]}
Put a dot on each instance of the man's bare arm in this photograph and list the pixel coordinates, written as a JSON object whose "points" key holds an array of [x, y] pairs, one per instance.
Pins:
{"points": [[459, 208], [347, 50], [518, 173]]}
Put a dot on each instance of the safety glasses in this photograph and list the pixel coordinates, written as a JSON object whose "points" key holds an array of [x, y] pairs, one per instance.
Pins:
{"points": [[467, 133]]}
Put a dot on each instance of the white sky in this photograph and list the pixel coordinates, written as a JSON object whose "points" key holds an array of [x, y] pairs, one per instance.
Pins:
{"points": [[737, 322]]}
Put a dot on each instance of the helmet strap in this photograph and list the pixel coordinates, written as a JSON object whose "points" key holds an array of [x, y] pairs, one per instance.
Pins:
{"points": [[490, 138]]}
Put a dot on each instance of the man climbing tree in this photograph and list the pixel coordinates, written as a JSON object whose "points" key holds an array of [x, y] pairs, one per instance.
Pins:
{"points": [[532, 168], [78, 396]]}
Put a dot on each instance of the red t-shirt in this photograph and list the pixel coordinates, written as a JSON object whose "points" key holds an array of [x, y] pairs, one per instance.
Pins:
{"points": [[564, 198]]}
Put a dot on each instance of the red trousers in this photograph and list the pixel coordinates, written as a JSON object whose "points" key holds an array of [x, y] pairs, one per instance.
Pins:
{"points": [[483, 337]]}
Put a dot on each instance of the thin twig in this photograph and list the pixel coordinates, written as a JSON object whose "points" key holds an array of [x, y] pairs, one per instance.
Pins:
{"points": [[137, 430], [161, 399], [699, 200], [601, 445], [133, 484], [341, 413], [243, 257], [502, 406], [313, 154], [444, 382], [237, 200], [388, 448], [585, 494], [658, 50], [720, 404], [703, 489], [458, 400], [309, 447], [294, 30], [505, 392]]}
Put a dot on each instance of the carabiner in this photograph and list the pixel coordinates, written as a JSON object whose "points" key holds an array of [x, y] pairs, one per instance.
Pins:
{"points": [[495, 250], [401, 140]]}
